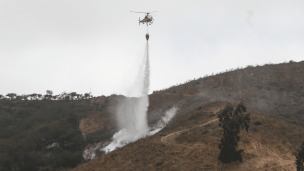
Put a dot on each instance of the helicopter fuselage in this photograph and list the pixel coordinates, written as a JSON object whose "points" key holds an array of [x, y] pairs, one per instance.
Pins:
{"points": [[147, 20]]}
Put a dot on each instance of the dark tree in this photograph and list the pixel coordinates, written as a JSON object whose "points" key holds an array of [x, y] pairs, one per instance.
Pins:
{"points": [[33, 96], [24, 97], [49, 92], [73, 95], [55, 97], [87, 95], [11, 95], [232, 121], [18, 97], [39, 96], [300, 159], [79, 96], [62, 96], [48, 95]]}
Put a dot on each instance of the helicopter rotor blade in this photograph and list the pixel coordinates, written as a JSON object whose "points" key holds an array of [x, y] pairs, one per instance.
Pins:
{"points": [[138, 12], [143, 12]]}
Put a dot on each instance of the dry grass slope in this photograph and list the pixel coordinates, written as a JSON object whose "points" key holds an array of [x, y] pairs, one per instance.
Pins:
{"points": [[274, 95]]}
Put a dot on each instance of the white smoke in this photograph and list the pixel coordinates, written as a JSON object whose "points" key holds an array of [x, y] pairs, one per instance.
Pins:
{"points": [[132, 119], [90, 154], [131, 115], [164, 121], [123, 137]]}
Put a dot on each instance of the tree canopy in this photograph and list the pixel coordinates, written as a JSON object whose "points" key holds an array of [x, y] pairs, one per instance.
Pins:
{"points": [[232, 121]]}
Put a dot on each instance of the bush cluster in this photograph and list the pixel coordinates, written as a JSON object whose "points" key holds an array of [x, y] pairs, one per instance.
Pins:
{"points": [[232, 121], [40, 134], [48, 96], [300, 159]]}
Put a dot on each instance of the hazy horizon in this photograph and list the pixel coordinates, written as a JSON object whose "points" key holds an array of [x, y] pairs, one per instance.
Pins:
{"points": [[75, 46]]}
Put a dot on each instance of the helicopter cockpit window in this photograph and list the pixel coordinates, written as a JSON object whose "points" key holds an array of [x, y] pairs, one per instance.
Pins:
{"points": [[149, 16]]}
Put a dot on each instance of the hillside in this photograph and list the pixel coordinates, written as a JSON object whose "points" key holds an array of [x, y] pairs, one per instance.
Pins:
{"points": [[42, 134], [45, 135], [273, 94]]}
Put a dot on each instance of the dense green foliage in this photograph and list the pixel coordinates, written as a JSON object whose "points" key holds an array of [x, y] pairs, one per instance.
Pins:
{"points": [[40, 134], [232, 121], [300, 159]]}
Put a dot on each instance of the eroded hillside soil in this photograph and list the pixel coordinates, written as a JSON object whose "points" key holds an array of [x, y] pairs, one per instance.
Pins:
{"points": [[273, 94], [194, 146]]}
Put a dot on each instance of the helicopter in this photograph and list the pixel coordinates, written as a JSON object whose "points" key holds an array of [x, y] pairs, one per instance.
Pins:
{"points": [[148, 18]]}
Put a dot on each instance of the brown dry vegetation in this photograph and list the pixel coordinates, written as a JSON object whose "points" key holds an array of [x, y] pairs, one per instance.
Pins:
{"points": [[273, 94], [268, 146]]}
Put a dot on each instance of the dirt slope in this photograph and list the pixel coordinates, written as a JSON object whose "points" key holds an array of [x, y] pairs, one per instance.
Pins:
{"points": [[274, 94], [171, 137], [268, 146]]}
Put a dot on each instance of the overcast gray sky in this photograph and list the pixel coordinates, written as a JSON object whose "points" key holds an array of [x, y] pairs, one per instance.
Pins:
{"points": [[73, 45]]}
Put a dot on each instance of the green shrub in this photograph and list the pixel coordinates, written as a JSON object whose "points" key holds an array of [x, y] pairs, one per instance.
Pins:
{"points": [[232, 121], [29, 127], [300, 159]]}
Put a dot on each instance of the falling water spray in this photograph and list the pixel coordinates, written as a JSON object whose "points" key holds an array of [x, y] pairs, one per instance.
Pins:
{"points": [[131, 112]]}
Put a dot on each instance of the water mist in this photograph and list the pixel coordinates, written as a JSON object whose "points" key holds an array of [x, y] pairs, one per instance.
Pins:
{"points": [[131, 113]]}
